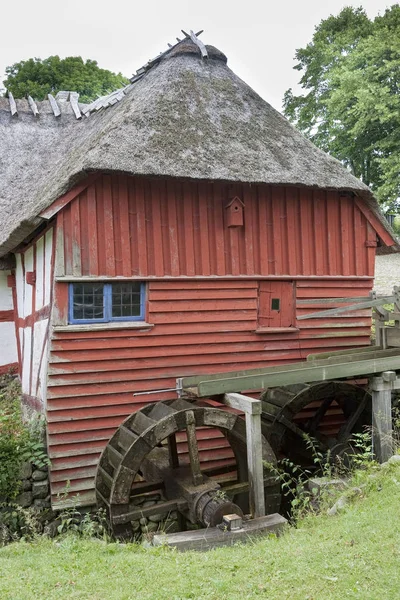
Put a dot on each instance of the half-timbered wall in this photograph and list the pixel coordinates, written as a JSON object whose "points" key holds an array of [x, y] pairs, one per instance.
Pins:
{"points": [[8, 340], [34, 281], [202, 301]]}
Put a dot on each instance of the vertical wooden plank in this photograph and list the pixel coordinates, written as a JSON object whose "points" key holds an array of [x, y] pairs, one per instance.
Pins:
{"points": [[188, 225], [319, 232], [173, 229], [270, 248], [287, 303], [84, 228], [332, 232], [371, 235], [277, 206], [249, 222], [263, 231], [204, 233], [125, 241], [234, 250], [344, 238], [116, 204], [142, 188], [359, 247], [157, 230], [92, 230], [181, 227], [166, 248], [254, 465], [306, 239], [382, 434], [134, 247], [291, 230], [76, 237], [108, 227], [101, 250], [59, 264], [68, 240], [196, 228], [197, 477], [148, 218]]}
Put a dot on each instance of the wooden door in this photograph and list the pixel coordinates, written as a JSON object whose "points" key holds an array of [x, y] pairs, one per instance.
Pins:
{"points": [[276, 304]]}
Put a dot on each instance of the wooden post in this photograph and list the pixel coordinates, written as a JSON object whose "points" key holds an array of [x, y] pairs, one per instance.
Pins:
{"points": [[382, 415], [252, 410]]}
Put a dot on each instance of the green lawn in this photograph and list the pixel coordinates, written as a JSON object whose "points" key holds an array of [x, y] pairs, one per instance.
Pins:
{"points": [[353, 555]]}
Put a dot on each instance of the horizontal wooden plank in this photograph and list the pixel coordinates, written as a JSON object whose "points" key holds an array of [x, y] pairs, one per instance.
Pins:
{"points": [[203, 306], [168, 295]]}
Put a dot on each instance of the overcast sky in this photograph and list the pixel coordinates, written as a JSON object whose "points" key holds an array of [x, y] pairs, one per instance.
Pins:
{"points": [[258, 37]]}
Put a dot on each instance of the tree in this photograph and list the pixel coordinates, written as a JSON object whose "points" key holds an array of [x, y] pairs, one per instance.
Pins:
{"points": [[37, 78], [351, 105]]}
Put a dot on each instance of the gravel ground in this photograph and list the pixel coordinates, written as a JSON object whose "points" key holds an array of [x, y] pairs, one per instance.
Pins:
{"points": [[387, 273]]}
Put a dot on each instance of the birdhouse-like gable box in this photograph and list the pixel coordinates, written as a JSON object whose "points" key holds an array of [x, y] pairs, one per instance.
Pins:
{"points": [[235, 213]]}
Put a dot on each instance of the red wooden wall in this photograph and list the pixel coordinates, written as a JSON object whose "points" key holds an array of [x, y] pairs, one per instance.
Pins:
{"points": [[126, 226], [163, 231]]}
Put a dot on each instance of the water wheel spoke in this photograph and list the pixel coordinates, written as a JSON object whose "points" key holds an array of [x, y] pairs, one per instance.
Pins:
{"points": [[173, 452], [314, 422], [193, 448], [347, 428]]}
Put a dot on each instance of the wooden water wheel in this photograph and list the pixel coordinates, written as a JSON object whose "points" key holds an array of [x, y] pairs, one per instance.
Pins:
{"points": [[329, 412], [142, 457]]}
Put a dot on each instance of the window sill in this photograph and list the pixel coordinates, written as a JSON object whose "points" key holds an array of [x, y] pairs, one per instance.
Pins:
{"points": [[276, 330], [139, 325]]}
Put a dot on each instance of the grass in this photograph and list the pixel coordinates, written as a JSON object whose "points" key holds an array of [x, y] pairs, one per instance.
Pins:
{"points": [[355, 554]]}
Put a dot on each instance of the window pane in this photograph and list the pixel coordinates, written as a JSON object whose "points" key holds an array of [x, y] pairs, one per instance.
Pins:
{"points": [[275, 304], [126, 300], [88, 301]]}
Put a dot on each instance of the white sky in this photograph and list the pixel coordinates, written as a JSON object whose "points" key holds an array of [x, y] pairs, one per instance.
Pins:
{"points": [[259, 38]]}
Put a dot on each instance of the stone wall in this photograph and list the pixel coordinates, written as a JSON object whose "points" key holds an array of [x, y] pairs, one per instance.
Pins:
{"points": [[35, 488]]}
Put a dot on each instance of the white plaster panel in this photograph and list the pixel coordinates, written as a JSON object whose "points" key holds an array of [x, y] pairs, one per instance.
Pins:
{"points": [[19, 282], [6, 299], [8, 344], [28, 289], [47, 266], [39, 338], [39, 292], [26, 361]]}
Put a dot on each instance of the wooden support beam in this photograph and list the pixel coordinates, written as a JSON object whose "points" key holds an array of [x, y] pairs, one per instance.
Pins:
{"points": [[199, 44], [54, 106], [382, 434], [343, 309], [33, 106], [13, 106], [197, 477], [302, 372], [73, 100], [252, 409]]}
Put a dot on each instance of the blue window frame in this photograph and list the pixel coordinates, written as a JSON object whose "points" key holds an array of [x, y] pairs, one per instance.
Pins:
{"points": [[98, 302]]}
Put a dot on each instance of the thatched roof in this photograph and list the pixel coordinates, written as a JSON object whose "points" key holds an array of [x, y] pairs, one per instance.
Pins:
{"points": [[185, 117]]}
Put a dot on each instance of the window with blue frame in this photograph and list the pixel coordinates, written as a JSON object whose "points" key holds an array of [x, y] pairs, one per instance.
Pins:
{"points": [[99, 302]]}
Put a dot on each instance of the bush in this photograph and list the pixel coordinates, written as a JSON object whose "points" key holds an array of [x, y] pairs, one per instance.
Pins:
{"points": [[19, 442]]}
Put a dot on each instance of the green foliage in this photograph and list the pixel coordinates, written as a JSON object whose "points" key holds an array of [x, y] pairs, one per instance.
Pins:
{"points": [[17, 523], [86, 525], [13, 437], [37, 78], [351, 102], [19, 442]]}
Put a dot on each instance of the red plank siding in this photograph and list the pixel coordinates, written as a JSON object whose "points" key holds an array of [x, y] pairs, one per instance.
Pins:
{"points": [[152, 228], [97, 378]]}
